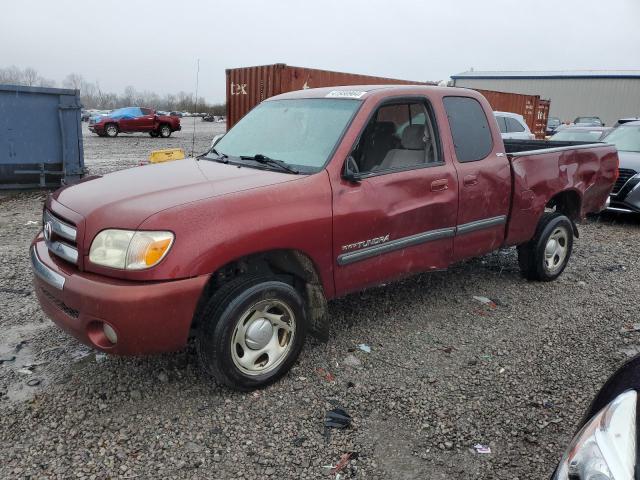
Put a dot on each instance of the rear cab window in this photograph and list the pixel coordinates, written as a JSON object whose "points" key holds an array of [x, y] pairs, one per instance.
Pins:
{"points": [[469, 126]]}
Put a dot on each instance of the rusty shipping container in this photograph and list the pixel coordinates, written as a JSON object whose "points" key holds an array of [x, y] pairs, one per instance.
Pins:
{"points": [[248, 86], [534, 110]]}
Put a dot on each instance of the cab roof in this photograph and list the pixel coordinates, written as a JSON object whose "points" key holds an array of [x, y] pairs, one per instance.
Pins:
{"points": [[358, 91]]}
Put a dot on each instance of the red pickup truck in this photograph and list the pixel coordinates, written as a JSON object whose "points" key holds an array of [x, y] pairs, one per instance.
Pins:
{"points": [[312, 195], [132, 120]]}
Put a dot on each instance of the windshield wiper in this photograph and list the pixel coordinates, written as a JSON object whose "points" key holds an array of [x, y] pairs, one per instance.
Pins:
{"points": [[260, 158], [221, 157]]}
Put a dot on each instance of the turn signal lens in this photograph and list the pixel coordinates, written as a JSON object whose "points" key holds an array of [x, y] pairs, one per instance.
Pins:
{"points": [[156, 251]]}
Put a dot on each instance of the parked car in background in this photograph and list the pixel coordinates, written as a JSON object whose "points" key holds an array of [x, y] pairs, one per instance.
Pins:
{"points": [[175, 114], [625, 196], [588, 122], [622, 121], [552, 125], [134, 119], [580, 134], [312, 195], [512, 125], [85, 115]]}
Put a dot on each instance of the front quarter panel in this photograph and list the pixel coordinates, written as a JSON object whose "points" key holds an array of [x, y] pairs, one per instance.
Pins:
{"points": [[210, 233]]}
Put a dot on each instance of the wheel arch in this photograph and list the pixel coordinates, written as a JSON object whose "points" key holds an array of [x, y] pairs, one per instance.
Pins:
{"points": [[292, 266], [569, 203]]}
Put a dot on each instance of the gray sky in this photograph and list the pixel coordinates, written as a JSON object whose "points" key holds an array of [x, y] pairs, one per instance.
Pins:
{"points": [[154, 45]]}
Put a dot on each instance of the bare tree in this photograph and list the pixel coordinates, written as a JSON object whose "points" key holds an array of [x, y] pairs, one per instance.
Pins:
{"points": [[74, 81], [30, 77]]}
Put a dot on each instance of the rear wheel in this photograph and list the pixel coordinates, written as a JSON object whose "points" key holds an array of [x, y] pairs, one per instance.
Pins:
{"points": [[251, 332], [153, 133], [111, 130], [165, 131], [546, 255]]}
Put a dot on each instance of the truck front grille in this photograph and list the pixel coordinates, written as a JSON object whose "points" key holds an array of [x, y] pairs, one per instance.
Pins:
{"points": [[624, 174], [60, 237]]}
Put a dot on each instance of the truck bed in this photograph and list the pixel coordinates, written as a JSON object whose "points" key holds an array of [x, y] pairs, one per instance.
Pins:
{"points": [[582, 173]]}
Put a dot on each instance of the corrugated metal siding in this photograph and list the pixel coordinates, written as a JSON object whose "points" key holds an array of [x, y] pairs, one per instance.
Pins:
{"points": [[608, 98], [248, 86], [40, 137]]}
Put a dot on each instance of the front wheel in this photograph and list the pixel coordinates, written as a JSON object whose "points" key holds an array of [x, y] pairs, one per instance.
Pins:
{"points": [[251, 332], [165, 131], [111, 130], [546, 255]]}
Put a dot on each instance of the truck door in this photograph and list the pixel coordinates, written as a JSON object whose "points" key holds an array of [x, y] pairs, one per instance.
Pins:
{"points": [[146, 121], [399, 216], [129, 119], [484, 177]]}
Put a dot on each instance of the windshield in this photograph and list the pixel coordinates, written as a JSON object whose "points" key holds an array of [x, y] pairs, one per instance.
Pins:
{"points": [[587, 120], [577, 135], [301, 132], [625, 138]]}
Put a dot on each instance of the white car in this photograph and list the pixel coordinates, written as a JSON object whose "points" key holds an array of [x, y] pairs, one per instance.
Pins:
{"points": [[513, 125]]}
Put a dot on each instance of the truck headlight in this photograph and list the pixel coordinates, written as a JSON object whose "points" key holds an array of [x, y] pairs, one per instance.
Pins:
{"points": [[605, 448], [130, 250]]}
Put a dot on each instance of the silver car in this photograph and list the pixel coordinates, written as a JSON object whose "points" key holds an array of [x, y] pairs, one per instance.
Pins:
{"points": [[513, 126]]}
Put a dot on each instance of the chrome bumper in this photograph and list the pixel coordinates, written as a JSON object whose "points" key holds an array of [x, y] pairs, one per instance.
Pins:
{"points": [[45, 273]]}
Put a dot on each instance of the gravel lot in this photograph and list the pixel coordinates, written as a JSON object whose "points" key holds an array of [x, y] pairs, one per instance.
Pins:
{"points": [[445, 371]]}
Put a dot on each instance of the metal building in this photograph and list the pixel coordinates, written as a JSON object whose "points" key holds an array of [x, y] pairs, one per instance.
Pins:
{"points": [[608, 94]]}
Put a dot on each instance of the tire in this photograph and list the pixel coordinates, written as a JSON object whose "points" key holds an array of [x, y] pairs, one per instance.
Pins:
{"points": [[233, 340], [154, 133], [111, 130], [165, 131], [546, 255]]}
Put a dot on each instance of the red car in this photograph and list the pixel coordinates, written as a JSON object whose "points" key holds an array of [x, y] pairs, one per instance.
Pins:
{"points": [[312, 195], [134, 119]]}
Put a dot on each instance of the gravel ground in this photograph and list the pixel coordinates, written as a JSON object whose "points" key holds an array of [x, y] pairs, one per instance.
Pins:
{"points": [[445, 372]]}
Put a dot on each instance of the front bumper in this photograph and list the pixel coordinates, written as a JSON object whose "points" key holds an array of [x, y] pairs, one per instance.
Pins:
{"points": [[96, 128], [148, 317], [627, 200]]}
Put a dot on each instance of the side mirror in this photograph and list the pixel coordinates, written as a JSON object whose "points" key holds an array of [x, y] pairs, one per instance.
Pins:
{"points": [[351, 172], [605, 446], [216, 139]]}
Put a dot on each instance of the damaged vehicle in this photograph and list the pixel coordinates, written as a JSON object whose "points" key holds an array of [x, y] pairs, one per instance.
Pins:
{"points": [[132, 120], [312, 195]]}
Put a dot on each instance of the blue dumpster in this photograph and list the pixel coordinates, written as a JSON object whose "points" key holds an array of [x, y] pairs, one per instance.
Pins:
{"points": [[40, 137]]}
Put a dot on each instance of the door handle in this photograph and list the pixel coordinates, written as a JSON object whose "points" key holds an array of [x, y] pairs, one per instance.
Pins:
{"points": [[470, 180], [439, 185]]}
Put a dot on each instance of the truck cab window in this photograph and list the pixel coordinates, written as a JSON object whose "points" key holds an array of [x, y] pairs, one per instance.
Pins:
{"points": [[397, 136], [513, 125], [469, 128], [501, 124]]}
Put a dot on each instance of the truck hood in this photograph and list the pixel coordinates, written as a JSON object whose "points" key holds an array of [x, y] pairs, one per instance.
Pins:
{"points": [[124, 199], [629, 160]]}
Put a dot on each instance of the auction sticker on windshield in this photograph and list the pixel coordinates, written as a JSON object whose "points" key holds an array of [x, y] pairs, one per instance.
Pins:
{"points": [[345, 94]]}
